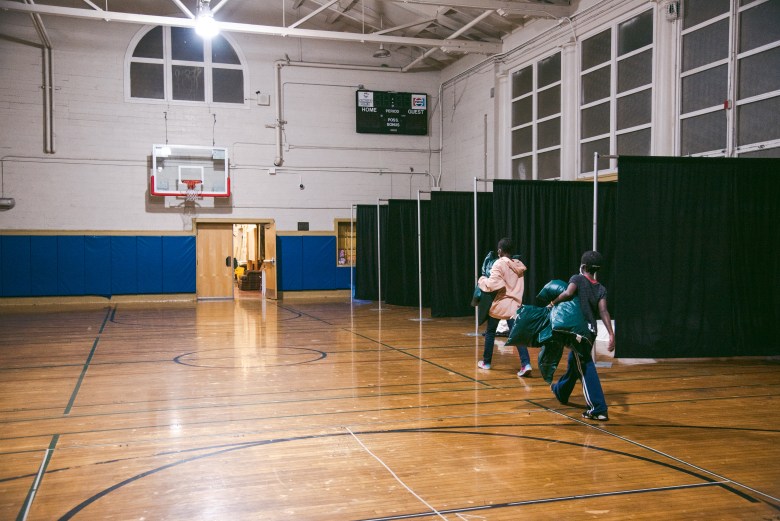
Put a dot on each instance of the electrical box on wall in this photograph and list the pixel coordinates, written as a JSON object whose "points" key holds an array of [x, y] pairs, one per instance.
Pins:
{"points": [[263, 99]]}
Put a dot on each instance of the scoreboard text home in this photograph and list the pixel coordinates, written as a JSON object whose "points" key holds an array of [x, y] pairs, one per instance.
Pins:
{"points": [[391, 113]]}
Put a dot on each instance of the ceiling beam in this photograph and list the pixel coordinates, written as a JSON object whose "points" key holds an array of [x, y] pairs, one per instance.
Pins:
{"points": [[463, 46], [514, 7]]}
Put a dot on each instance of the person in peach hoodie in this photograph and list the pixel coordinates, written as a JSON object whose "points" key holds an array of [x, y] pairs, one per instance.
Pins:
{"points": [[506, 280]]}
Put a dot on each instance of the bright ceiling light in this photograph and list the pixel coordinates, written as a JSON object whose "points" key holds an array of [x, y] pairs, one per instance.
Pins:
{"points": [[205, 25]]}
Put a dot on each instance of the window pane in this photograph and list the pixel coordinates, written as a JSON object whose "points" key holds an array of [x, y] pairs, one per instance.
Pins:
{"points": [[522, 82], [635, 71], [634, 143], [228, 85], [187, 83], [549, 164], [186, 45], [634, 109], [548, 133], [223, 52], [522, 111], [705, 89], [706, 45], [549, 70], [758, 121], [521, 141], [595, 121], [703, 133], [695, 12], [759, 73], [596, 49], [522, 168], [635, 33], [595, 85], [151, 45], [549, 102], [586, 154], [146, 80], [759, 26]]}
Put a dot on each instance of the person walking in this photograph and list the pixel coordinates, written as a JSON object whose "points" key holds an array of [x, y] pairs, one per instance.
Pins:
{"points": [[507, 281], [593, 305]]}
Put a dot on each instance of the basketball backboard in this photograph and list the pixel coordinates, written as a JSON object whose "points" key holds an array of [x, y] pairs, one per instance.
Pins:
{"points": [[178, 168]]}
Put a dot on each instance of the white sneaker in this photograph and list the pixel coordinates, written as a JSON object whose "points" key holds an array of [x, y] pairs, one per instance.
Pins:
{"points": [[483, 365], [526, 370]]}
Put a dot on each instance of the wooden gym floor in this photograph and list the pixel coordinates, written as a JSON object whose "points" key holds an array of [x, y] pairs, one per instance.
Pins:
{"points": [[319, 410]]}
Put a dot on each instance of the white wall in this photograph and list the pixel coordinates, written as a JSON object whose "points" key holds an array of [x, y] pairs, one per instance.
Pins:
{"points": [[97, 180]]}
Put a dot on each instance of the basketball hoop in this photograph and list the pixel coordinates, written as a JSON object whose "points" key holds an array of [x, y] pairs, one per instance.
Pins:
{"points": [[192, 189]]}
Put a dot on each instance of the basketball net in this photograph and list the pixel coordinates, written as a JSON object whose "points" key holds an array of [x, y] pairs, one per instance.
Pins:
{"points": [[192, 189]]}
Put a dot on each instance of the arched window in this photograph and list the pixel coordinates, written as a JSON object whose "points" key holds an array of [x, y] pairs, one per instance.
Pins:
{"points": [[175, 64]]}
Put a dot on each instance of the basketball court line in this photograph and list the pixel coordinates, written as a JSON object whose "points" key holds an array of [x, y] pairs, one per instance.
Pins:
{"points": [[722, 479]]}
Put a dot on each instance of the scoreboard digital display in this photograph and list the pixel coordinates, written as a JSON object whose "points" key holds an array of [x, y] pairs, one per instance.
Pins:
{"points": [[381, 112]]}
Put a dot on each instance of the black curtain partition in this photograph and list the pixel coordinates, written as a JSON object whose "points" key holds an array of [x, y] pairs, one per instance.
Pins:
{"points": [[403, 266], [551, 224], [698, 265], [366, 262], [452, 266]]}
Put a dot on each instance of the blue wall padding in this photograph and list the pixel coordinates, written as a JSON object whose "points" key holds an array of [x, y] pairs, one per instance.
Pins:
{"points": [[97, 265], [308, 262], [16, 265], [43, 263], [124, 265], [319, 270], [70, 265], [290, 266], [178, 255], [74, 265], [150, 274]]}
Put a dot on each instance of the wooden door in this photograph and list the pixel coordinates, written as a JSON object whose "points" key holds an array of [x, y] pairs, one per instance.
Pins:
{"points": [[269, 260], [214, 247]]}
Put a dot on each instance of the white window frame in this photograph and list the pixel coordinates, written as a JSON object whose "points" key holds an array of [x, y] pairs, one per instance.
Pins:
{"points": [[168, 63]]}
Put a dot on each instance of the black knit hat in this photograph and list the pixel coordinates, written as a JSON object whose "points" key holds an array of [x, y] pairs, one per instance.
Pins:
{"points": [[592, 259]]}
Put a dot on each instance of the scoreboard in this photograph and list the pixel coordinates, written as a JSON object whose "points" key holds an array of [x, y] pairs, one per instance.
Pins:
{"points": [[380, 112]]}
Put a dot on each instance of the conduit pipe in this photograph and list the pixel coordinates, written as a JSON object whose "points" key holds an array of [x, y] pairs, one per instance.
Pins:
{"points": [[278, 102], [48, 80]]}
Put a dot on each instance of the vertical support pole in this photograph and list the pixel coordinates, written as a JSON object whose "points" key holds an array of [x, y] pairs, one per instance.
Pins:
{"points": [[419, 256], [476, 258], [595, 196], [379, 253], [353, 252]]}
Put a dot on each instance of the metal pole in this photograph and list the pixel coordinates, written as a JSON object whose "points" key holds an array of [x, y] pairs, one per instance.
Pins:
{"points": [[476, 259], [353, 253], [379, 253], [419, 256], [595, 196]]}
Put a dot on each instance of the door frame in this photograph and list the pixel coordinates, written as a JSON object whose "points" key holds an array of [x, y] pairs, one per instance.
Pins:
{"points": [[261, 224]]}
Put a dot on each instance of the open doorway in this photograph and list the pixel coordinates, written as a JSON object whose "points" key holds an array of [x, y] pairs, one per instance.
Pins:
{"points": [[254, 259]]}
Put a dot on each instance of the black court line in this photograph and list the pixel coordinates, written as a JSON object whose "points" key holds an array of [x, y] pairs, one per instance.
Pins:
{"points": [[86, 364], [222, 449]]}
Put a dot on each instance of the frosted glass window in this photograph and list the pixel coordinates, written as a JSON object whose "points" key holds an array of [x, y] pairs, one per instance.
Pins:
{"points": [[550, 164], [147, 80], [188, 83], [548, 133], [635, 33], [595, 121], [758, 121], [596, 85], [522, 140], [151, 45], [522, 168], [759, 73], [634, 110], [705, 45], [759, 25], [586, 154], [635, 71], [634, 143], [522, 111], [703, 133], [170, 63], [597, 49], [695, 12], [549, 101], [705, 89], [549, 70], [522, 82]]}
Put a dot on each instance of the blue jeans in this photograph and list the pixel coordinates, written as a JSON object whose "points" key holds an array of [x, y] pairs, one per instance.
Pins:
{"points": [[581, 367], [490, 339]]}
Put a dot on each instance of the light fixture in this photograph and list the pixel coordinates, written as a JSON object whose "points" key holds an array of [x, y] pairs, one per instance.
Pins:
{"points": [[205, 26], [382, 52]]}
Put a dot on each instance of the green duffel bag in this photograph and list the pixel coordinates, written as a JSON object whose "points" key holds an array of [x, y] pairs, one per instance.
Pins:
{"points": [[570, 328], [549, 358], [529, 322], [551, 290]]}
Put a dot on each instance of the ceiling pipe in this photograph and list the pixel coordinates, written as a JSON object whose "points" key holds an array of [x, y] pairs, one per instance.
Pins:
{"points": [[48, 80]]}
